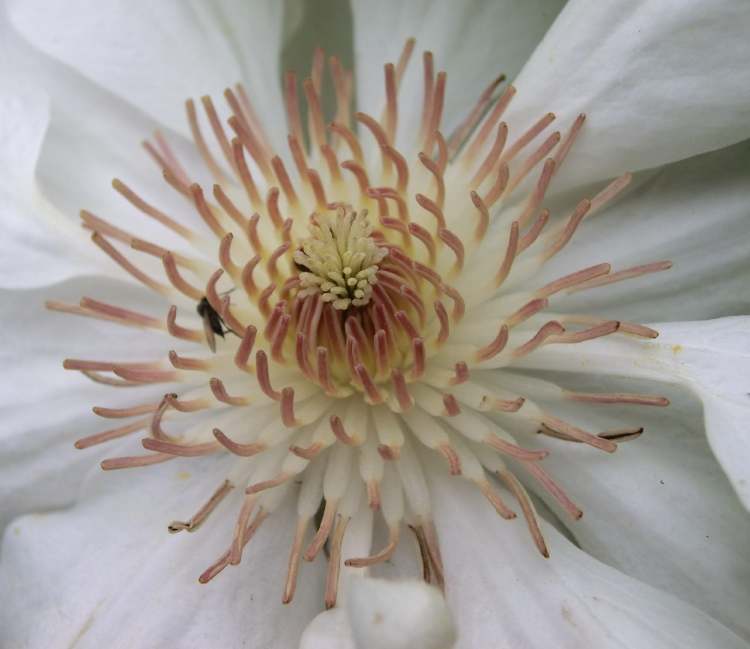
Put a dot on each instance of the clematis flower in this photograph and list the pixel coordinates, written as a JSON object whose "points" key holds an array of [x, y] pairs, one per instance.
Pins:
{"points": [[402, 339]]}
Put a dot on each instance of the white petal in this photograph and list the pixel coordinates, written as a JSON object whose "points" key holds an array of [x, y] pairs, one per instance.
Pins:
{"points": [[659, 82], [328, 630], [63, 141], [711, 358], [398, 615], [45, 408], [693, 213], [155, 55], [474, 42], [384, 614], [660, 508], [36, 246], [107, 573], [504, 593]]}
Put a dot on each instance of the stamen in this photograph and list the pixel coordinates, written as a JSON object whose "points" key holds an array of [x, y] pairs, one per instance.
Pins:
{"points": [[630, 273], [483, 133], [243, 450], [182, 450], [555, 490], [533, 160], [200, 143], [178, 281], [527, 509], [575, 219], [113, 433], [203, 513], [429, 82], [391, 107], [205, 211], [384, 555], [454, 463], [351, 141], [149, 210], [618, 397], [508, 448], [334, 562], [292, 106], [546, 331], [437, 174], [537, 196], [495, 347], [528, 136], [238, 160], [126, 265], [473, 118], [572, 280], [321, 536], [558, 425], [603, 329], [294, 557], [436, 114], [123, 413], [498, 188], [533, 233], [610, 192], [570, 138], [220, 392], [510, 255], [492, 156], [315, 112], [496, 501], [135, 461], [484, 216]]}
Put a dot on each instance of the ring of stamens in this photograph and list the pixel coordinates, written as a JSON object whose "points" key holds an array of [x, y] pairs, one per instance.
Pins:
{"points": [[355, 310]]}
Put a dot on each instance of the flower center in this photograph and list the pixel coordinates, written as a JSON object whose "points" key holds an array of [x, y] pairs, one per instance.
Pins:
{"points": [[341, 259], [331, 349]]}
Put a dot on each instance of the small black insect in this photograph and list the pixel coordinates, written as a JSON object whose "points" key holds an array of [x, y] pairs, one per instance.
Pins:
{"points": [[213, 323]]}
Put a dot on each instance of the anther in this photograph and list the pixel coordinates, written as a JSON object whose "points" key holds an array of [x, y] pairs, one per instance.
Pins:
{"points": [[243, 450], [287, 408], [522, 497], [404, 399], [264, 380], [203, 513], [220, 393], [182, 450], [326, 524], [495, 347], [555, 490], [492, 156], [206, 211]]}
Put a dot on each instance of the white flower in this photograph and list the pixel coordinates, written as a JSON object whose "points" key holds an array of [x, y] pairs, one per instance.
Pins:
{"points": [[457, 348]]}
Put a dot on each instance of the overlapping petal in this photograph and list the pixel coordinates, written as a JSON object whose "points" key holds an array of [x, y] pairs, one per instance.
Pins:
{"points": [[473, 42], [711, 358], [107, 572], [660, 509], [37, 245], [567, 601], [155, 55], [44, 405], [661, 81], [694, 213]]}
